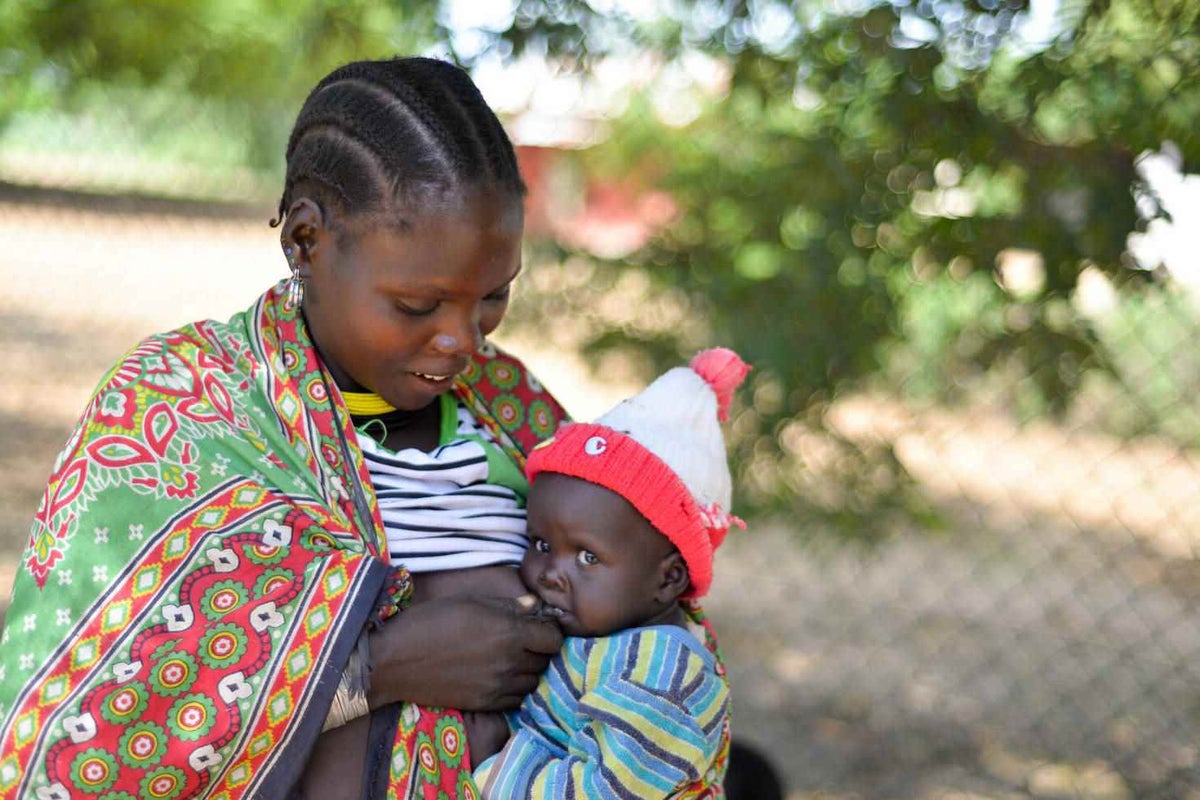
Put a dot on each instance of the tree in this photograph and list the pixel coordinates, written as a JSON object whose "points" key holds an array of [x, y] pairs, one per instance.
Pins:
{"points": [[848, 203], [851, 200], [248, 61]]}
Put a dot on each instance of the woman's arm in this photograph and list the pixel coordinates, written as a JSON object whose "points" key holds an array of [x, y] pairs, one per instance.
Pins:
{"points": [[487, 731], [335, 768], [474, 654]]}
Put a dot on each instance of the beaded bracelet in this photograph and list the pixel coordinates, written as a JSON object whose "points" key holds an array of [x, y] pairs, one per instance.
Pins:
{"points": [[350, 699]]}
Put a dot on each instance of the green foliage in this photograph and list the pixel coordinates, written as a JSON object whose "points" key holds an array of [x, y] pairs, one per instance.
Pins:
{"points": [[845, 199], [248, 63], [846, 203], [944, 324], [1148, 341]]}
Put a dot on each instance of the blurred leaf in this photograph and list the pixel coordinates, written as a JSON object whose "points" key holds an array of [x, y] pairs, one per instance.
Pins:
{"points": [[846, 204], [847, 191]]}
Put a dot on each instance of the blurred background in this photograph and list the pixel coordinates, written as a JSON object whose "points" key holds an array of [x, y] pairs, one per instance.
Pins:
{"points": [[956, 239]]}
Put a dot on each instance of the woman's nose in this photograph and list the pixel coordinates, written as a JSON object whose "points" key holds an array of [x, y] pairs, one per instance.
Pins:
{"points": [[461, 337]]}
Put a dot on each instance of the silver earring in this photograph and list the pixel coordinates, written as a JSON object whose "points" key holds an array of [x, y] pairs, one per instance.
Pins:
{"points": [[296, 284]]}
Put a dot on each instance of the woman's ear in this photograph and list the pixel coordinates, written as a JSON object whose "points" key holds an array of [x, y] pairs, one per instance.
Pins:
{"points": [[303, 229], [673, 578]]}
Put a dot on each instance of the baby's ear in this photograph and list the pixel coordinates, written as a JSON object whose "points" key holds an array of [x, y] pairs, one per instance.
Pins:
{"points": [[673, 578]]}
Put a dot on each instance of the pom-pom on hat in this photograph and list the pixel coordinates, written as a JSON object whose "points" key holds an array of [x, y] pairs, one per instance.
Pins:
{"points": [[662, 450]]}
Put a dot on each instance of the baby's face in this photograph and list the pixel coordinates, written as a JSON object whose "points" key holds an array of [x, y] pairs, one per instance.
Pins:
{"points": [[594, 557]]}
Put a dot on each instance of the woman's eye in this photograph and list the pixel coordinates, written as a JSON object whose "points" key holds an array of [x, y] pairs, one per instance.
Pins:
{"points": [[587, 558], [541, 545], [416, 311], [500, 295]]}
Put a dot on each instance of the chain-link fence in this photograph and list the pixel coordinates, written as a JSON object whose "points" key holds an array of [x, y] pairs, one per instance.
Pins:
{"points": [[1042, 641], [1043, 644]]}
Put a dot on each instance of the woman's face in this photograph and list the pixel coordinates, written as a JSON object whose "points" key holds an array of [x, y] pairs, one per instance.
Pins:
{"points": [[399, 312]]}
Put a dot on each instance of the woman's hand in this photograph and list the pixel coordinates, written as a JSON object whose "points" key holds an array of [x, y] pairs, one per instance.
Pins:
{"points": [[487, 731], [468, 653]]}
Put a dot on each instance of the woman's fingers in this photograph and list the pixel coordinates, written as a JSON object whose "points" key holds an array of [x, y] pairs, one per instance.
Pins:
{"points": [[462, 653], [516, 691], [539, 631], [543, 636], [527, 603]]}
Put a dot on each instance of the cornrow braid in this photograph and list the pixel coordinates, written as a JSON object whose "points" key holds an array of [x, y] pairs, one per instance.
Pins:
{"points": [[375, 134]]}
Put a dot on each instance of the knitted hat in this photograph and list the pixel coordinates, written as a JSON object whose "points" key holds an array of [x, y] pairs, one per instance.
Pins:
{"points": [[662, 450]]}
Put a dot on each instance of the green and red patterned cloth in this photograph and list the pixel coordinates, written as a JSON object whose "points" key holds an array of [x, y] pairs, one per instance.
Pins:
{"points": [[205, 557]]}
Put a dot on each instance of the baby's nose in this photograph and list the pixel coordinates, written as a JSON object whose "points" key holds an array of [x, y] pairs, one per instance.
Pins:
{"points": [[551, 579]]}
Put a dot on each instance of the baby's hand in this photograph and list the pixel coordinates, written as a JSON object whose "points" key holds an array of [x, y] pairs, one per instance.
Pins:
{"points": [[487, 732]]}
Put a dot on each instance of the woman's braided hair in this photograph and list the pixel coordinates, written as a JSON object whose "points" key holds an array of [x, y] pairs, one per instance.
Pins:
{"points": [[375, 136]]}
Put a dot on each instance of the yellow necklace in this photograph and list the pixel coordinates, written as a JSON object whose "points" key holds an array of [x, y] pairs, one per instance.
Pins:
{"points": [[366, 404]]}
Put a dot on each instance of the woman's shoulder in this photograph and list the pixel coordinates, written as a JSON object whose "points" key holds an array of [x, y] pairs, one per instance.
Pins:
{"points": [[500, 391], [177, 360], [492, 364]]}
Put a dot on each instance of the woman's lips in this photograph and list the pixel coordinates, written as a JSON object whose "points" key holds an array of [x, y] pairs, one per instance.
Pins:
{"points": [[440, 373], [433, 377]]}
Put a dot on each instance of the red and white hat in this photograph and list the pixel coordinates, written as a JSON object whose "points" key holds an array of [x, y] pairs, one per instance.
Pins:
{"points": [[662, 450]]}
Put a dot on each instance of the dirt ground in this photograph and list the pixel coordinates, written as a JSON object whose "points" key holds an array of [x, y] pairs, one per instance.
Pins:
{"points": [[1046, 645]]}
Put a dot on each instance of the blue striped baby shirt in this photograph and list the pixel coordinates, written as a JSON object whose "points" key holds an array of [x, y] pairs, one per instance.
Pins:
{"points": [[635, 715]]}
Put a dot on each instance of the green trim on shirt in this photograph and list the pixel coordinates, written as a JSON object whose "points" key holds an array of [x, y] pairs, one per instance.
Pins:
{"points": [[448, 410], [501, 469]]}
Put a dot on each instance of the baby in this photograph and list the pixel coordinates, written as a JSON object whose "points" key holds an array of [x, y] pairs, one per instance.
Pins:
{"points": [[623, 517]]}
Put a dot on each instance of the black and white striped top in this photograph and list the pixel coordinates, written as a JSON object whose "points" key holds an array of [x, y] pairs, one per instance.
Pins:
{"points": [[456, 507]]}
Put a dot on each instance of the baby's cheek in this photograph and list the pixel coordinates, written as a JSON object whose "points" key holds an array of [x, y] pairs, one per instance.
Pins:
{"points": [[600, 615], [528, 573]]}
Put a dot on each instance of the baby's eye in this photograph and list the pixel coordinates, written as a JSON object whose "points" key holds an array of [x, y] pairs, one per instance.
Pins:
{"points": [[587, 558], [541, 545]]}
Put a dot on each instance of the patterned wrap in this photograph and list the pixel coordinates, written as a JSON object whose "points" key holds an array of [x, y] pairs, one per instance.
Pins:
{"points": [[204, 559]]}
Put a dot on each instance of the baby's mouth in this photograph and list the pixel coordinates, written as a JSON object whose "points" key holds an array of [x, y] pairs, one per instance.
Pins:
{"points": [[550, 610]]}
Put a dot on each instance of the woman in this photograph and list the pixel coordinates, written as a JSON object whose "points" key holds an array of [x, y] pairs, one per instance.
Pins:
{"points": [[205, 582]]}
